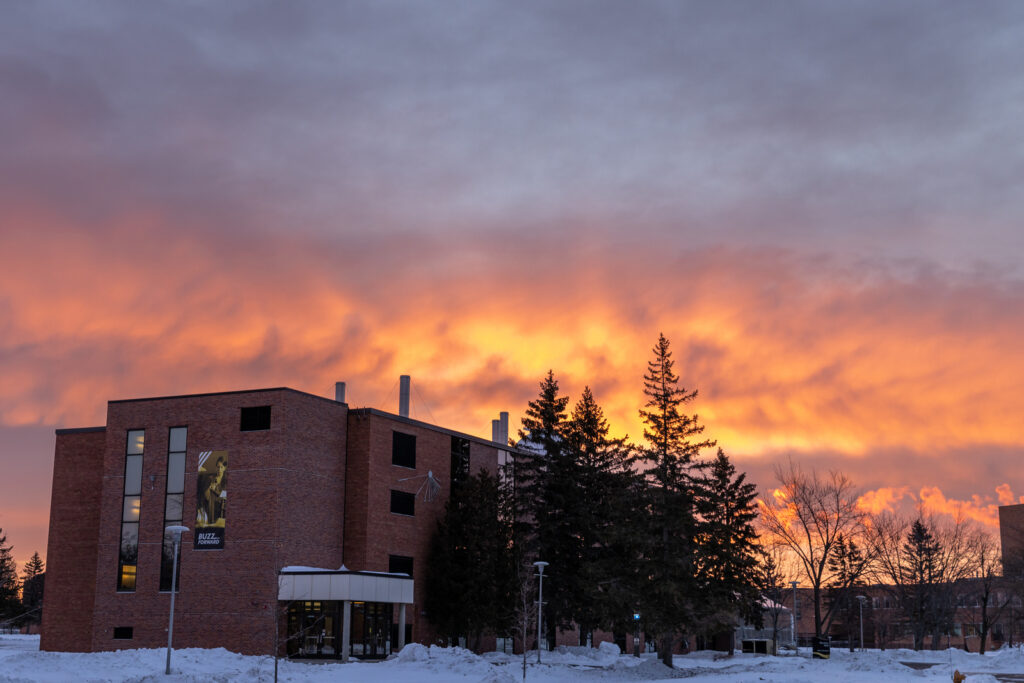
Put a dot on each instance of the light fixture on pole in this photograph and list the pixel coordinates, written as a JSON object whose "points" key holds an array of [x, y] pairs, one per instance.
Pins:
{"points": [[540, 602], [862, 599], [176, 530], [792, 615]]}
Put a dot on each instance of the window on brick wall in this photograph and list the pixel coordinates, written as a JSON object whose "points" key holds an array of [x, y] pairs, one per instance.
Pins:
{"points": [[460, 460], [174, 495], [403, 450], [403, 503], [255, 418], [128, 553], [399, 564], [124, 632]]}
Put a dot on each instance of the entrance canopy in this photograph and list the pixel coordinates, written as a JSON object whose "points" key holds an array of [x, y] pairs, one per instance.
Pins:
{"points": [[310, 583]]}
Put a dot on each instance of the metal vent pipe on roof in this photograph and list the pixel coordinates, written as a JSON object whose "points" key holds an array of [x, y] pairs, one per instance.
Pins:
{"points": [[495, 430], [403, 395], [503, 427], [339, 392]]}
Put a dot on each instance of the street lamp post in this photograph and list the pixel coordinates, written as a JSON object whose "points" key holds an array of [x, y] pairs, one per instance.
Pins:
{"points": [[176, 530], [862, 599], [792, 616], [540, 602]]}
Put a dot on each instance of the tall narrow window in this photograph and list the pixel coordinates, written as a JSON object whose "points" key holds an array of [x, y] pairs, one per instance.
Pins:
{"points": [[128, 555], [173, 501], [460, 460], [403, 450]]}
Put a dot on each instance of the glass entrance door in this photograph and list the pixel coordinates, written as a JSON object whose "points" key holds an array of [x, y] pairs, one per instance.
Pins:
{"points": [[371, 629]]}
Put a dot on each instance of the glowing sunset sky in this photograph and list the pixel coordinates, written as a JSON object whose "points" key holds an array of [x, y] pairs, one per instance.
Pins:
{"points": [[820, 204]]}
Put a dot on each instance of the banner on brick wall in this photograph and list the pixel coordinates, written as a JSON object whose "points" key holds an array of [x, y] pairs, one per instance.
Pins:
{"points": [[211, 500]]}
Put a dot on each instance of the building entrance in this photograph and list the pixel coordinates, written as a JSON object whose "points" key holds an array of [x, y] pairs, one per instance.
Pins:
{"points": [[315, 629], [371, 629]]}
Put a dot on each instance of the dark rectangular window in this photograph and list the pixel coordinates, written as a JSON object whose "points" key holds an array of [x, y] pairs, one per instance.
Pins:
{"points": [[255, 419], [403, 503], [124, 632], [460, 460], [394, 634], [174, 500], [403, 450], [399, 564], [128, 552]]}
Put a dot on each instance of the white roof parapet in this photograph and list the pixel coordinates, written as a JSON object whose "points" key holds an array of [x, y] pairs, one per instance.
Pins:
{"points": [[310, 583]]}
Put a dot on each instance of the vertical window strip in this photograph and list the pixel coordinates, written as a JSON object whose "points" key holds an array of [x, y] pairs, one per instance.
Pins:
{"points": [[128, 550], [174, 495]]}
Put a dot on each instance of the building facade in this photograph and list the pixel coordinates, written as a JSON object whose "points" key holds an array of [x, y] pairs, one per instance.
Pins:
{"points": [[309, 524]]}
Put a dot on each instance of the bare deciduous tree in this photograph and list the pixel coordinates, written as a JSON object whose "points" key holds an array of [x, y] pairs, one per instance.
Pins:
{"points": [[808, 514], [921, 561]]}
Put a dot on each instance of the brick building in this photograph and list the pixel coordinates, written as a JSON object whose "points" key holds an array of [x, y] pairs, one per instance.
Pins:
{"points": [[305, 517], [1011, 536]]}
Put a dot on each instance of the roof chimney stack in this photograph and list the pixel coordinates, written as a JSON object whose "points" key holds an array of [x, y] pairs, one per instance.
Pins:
{"points": [[339, 392], [503, 427], [495, 430], [403, 395]]}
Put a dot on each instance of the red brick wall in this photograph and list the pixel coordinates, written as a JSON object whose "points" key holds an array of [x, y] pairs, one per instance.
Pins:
{"points": [[372, 531], [1011, 535], [285, 506], [314, 490], [71, 546]]}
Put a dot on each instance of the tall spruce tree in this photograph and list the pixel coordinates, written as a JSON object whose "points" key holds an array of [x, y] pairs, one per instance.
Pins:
{"points": [[470, 574], [9, 603], [727, 551], [670, 604], [32, 589], [545, 498], [596, 471], [847, 566], [920, 577]]}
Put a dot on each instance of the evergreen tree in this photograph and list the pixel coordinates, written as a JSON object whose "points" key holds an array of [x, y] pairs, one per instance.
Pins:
{"points": [[671, 601], [545, 498], [33, 567], [727, 551], [595, 470], [847, 566], [32, 589], [920, 576], [770, 582], [9, 603], [470, 575]]}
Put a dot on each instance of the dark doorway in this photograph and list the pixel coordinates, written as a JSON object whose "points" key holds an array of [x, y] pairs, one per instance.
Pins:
{"points": [[314, 629], [371, 629]]}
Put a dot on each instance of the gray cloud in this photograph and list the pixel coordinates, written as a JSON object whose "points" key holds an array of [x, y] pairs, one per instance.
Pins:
{"points": [[870, 127]]}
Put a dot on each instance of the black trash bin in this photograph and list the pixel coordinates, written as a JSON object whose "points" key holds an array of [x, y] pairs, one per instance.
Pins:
{"points": [[822, 648]]}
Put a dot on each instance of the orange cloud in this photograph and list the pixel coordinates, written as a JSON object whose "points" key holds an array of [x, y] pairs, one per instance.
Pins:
{"points": [[932, 500], [788, 355], [1005, 495], [885, 499]]}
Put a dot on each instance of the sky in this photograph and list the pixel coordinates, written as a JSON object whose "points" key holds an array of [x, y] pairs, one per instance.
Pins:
{"points": [[817, 203]]}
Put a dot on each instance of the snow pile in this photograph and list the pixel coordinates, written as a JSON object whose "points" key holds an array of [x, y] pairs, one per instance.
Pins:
{"points": [[609, 649], [437, 659], [413, 652]]}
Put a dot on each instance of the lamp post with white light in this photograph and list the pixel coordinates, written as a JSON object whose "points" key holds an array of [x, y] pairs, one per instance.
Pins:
{"points": [[862, 599], [792, 615], [540, 602], [176, 530]]}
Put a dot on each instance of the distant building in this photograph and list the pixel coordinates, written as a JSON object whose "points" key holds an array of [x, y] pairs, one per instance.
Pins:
{"points": [[309, 523], [1011, 536]]}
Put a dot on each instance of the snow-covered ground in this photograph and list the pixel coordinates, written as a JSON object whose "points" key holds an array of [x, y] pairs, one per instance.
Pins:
{"points": [[21, 660]]}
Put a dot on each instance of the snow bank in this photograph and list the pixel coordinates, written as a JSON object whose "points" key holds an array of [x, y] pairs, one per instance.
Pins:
{"points": [[21, 661]]}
